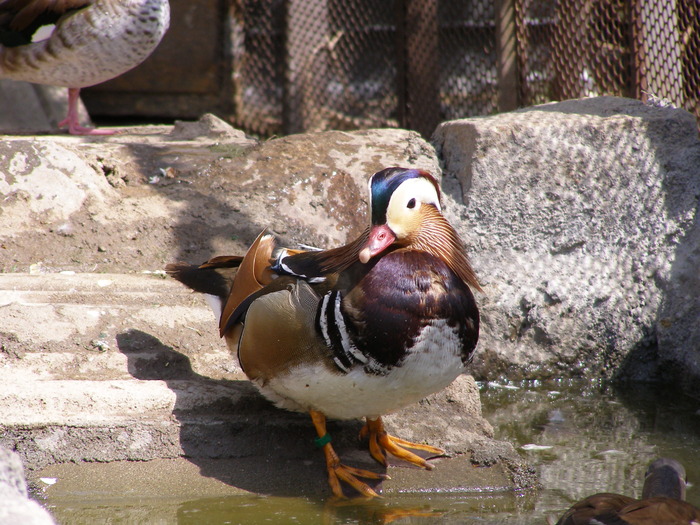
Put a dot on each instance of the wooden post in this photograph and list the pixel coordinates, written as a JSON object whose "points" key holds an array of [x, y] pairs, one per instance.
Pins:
{"points": [[507, 70]]}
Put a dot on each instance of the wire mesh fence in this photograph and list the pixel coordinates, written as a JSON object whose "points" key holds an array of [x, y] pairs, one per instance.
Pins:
{"points": [[307, 65]]}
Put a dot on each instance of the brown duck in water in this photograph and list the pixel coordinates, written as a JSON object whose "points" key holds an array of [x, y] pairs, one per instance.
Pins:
{"points": [[93, 41], [662, 502], [357, 331]]}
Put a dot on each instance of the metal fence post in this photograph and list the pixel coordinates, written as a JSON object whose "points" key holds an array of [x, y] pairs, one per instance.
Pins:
{"points": [[307, 35], [658, 51], [419, 64]]}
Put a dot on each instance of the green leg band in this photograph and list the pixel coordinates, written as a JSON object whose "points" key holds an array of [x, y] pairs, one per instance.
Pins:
{"points": [[322, 441]]}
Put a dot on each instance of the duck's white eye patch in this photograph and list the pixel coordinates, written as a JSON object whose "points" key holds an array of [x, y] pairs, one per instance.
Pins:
{"points": [[405, 200]]}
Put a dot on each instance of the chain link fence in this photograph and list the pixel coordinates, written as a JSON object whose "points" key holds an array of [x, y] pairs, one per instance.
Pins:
{"points": [[309, 65]]}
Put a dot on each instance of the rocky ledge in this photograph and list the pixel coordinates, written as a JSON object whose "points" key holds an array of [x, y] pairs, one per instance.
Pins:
{"points": [[107, 360], [582, 222]]}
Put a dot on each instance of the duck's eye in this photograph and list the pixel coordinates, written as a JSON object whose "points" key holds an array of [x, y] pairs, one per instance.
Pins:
{"points": [[411, 203]]}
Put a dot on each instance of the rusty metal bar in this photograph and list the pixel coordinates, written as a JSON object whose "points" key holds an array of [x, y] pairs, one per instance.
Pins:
{"points": [[507, 63], [638, 49], [421, 65]]}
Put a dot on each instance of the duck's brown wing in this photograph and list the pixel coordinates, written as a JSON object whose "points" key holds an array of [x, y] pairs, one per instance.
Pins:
{"points": [[653, 511], [595, 507], [279, 330], [253, 274]]}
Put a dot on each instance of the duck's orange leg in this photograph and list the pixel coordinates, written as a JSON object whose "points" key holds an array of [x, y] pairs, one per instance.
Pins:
{"points": [[380, 442], [338, 472]]}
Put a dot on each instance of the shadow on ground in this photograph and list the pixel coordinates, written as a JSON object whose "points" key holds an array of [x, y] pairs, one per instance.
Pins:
{"points": [[235, 435]]}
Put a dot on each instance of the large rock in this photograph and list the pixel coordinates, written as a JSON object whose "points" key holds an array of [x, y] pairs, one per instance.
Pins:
{"points": [[136, 201], [678, 326], [105, 359], [15, 506], [583, 222]]}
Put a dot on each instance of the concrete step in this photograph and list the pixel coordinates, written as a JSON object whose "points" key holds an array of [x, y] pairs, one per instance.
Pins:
{"points": [[105, 326], [116, 367]]}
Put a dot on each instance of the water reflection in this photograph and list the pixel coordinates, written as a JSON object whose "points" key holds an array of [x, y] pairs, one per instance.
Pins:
{"points": [[594, 436], [374, 512], [244, 510], [406, 509], [582, 437]]}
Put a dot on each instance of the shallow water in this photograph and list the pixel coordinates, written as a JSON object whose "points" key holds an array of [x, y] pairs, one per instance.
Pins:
{"points": [[582, 437]]}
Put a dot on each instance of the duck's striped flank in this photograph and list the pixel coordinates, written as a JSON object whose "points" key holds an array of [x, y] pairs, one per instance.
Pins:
{"points": [[332, 324]]}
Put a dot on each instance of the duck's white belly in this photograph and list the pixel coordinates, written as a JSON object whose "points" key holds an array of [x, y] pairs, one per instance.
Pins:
{"points": [[433, 363]]}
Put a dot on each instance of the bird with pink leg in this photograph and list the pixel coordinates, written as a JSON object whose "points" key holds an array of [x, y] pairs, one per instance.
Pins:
{"points": [[92, 41]]}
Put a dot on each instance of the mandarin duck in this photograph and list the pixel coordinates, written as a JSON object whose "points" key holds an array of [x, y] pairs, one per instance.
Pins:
{"points": [[93, 41], [662, 502], [357, 331]]}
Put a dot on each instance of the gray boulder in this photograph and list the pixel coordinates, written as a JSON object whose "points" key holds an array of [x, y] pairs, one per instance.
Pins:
{"points": [[583, 225], [15, 506]]}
